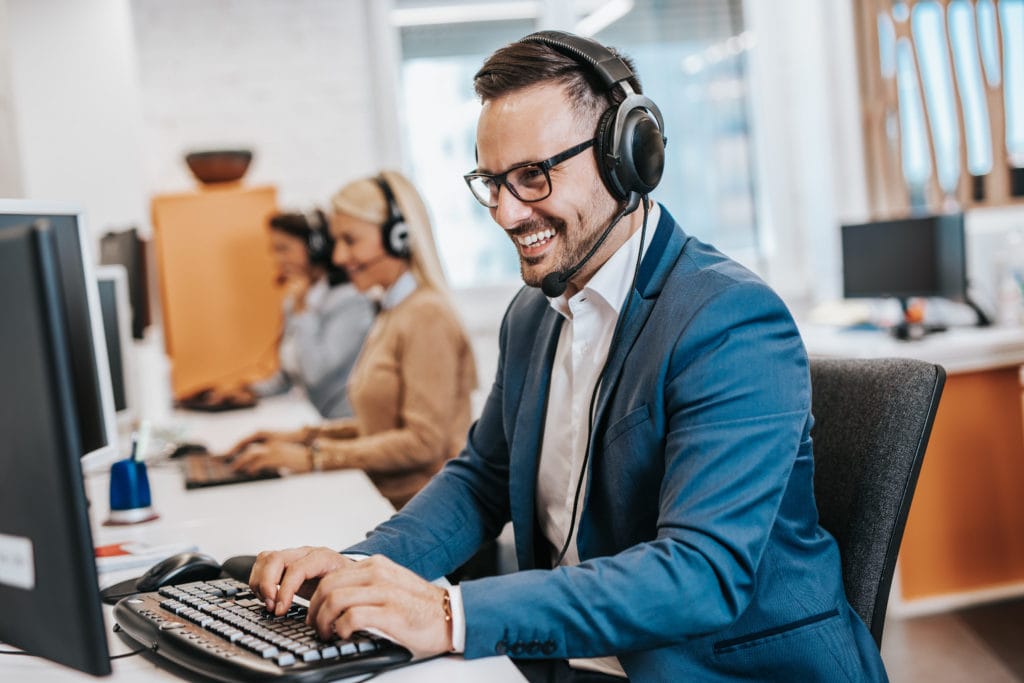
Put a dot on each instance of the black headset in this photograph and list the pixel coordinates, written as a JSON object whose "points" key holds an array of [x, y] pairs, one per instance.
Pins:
{"points": [[629, 142], [319, 243], [394, 233], [320, 247]]}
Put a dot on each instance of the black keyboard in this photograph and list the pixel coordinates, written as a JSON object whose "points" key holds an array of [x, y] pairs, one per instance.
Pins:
{"points": [[215, 470], [221, 629]]}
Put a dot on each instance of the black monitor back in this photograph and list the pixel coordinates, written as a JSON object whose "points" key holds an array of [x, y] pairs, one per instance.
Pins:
{"points": [[905, 258], [71, 273], [48, 587], [127, 249], [111, 328]]}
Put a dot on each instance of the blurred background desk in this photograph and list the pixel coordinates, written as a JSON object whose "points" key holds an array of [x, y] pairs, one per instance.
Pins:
{"points": [[963, 541]]}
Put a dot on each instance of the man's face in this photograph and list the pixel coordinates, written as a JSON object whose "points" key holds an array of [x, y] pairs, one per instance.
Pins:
{"points": [[555, 233]]}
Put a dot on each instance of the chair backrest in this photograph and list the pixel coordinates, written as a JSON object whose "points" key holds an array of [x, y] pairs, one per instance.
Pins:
{"points": [[872, 420]]}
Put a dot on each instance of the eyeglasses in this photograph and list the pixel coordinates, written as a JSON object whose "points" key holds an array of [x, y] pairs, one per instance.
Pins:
{"points": [[529, 182]]}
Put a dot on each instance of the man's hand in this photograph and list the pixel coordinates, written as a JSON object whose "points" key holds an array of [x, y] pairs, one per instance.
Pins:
{"points": [[296, 286], [279, 575], [378, 595], [273, 455], [239, 393]]}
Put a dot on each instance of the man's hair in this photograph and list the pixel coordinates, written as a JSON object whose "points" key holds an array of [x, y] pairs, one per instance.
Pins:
{"points": [[522, 65]]}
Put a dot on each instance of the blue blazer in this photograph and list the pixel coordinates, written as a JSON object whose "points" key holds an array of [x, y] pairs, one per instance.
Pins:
{"points": [[701, 554]]}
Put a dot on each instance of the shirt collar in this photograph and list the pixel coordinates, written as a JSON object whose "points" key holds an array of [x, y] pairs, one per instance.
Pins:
{"points": [[612, 280], [316, 294], [399, 291]]}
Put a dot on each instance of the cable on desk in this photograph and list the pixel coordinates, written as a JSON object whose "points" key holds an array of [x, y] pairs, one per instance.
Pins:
{"points": [[112, 657]]}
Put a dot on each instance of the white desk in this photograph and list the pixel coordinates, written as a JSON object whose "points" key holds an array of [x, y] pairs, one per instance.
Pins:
{"points": [[958, 350], [334, 509]]}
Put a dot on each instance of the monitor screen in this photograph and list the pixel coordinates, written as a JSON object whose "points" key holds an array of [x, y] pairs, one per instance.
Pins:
{"points": [[905, 258], [112, 284], [92, 387], [48, 587]]}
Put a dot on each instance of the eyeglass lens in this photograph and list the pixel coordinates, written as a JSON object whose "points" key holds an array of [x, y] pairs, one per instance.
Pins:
{"points": [[529, 183]]}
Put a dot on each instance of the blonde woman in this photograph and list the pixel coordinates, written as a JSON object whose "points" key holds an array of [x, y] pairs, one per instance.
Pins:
{"points": [[410, 388]]}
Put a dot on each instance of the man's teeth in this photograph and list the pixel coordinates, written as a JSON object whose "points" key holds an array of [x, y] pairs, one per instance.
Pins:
{"points": [[536, 238]]}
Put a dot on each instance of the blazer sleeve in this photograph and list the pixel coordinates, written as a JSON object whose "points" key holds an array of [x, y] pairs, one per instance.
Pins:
{"points": [[736, 402]]}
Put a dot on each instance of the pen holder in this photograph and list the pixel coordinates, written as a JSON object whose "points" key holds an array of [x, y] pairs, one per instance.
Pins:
{"points": [[129, 493]]}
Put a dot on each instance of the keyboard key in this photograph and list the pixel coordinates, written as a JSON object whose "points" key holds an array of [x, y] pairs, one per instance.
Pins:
{"points": [[267, 651], [365, 645]]}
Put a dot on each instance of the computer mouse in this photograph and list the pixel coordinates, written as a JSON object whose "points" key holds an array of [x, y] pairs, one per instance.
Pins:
{"points": [[183, 449], [180, 568]]}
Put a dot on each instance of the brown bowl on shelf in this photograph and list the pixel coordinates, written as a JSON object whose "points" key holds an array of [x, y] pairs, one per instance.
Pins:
{"points": [[219, 166]]}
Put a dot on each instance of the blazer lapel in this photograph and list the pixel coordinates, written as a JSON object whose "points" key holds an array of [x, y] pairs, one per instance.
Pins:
{"points": [[666, 245], [529, 430]]}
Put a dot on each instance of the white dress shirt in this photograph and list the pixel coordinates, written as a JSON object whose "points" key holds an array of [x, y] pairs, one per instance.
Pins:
{"points": [[583, 344]]}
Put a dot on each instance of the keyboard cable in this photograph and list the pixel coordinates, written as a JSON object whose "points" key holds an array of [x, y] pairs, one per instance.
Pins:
{"points": [[112, 657]]}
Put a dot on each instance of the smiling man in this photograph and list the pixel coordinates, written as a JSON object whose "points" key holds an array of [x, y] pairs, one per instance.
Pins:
{"points": [[647, 433]]}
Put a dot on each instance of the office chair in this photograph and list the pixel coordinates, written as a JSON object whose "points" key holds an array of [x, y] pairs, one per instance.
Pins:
{"points": [[872, 420]]}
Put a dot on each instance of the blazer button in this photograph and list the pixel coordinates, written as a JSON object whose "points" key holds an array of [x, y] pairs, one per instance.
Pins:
{"points": [[548, 647], [533, 647], [501, 647], [518, 647]]}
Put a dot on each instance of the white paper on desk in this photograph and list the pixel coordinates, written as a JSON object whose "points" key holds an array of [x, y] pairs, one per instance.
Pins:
{"points": [[132, 554]]}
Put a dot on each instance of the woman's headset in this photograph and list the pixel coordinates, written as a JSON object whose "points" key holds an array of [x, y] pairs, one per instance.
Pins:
{"points": [[629, 143], [393, 231]]}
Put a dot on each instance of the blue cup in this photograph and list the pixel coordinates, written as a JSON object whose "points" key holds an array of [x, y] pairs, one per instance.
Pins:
{"points": [[129, 492]]}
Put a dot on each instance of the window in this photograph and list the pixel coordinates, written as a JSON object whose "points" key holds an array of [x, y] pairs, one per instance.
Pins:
{"points": [[943, 83]]}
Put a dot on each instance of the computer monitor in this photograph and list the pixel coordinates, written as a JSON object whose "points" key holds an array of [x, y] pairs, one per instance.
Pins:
{"points": [[94, 400], [911, 257], [127, 249], [116, 312], [48, 588]]}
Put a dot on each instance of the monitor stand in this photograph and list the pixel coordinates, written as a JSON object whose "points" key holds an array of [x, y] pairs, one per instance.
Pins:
{"points": [[983, 319], [912, 331]]}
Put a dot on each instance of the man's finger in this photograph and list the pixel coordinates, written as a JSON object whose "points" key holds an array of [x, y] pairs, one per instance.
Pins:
{"points": [[334, 603], [313, 565]]}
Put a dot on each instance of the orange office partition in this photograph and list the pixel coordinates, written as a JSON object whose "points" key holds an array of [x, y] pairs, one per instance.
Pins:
{"points": [[221, 309], [964, 529]]}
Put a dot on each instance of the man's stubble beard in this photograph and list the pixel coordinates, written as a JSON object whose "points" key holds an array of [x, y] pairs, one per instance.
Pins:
{"points": [[575, 242]]}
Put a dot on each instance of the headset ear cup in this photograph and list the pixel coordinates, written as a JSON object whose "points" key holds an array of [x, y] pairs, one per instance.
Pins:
{"points": [[606, 162], [396, 239], [642, 153], [319, 247]]}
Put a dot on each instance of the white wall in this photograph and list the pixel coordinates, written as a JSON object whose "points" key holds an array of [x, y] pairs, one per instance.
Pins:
{"points": [[290, 79], [69, 110], [100, 99], [10, 169]]}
